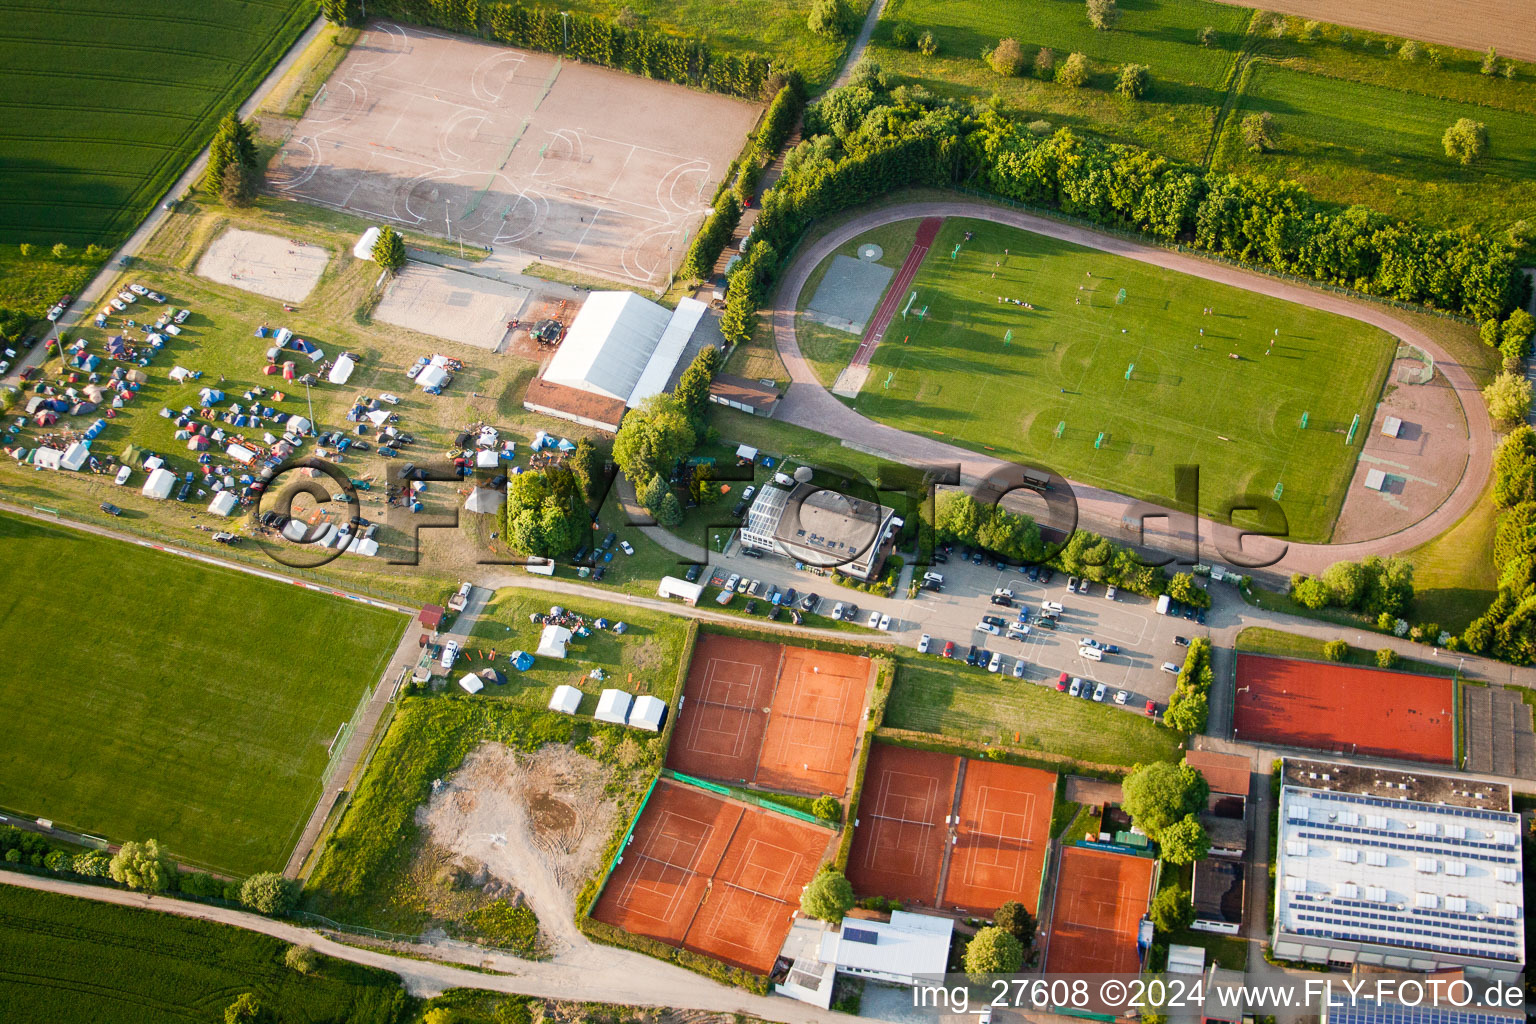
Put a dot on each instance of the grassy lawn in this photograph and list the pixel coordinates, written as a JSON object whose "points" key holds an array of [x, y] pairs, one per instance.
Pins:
{"points": [[183, 703], [953, 699], [1260, 640], [1188, 80], [776, 29], [75, 961], [1454, 580], [1186, 401], [105, 107], [1380, 145]]}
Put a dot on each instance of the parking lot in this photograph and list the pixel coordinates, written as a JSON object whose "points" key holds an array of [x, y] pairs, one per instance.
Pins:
{"points": [[1145, 639]]}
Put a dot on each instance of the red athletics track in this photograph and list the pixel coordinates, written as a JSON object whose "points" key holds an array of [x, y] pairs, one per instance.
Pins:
{"points": [[927, 231], [1324, 706]]}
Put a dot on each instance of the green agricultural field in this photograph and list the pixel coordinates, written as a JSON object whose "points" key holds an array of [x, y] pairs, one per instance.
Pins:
{"points": [[1185, 402], [73, 961], [149, 696], [105, 105], [952, 699]]}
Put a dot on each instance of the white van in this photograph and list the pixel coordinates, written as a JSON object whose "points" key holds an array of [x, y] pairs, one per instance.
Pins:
{"points": [[1091, 653], [1051, 606], [933, 577], [1162, 605]]}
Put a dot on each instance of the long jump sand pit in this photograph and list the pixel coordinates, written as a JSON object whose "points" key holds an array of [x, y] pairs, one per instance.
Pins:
{"points": [[451, 304], [264, 264], [599, 170]]}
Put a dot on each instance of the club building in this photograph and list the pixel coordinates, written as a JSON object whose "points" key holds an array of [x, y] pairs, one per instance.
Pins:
{"points": [[821, 527], [1398, 870]]}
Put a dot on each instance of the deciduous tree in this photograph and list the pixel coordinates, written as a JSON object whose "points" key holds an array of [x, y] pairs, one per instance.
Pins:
{"points": [[1259, 132], [142, 867], [268, 892], [1508, 398], [1184, 842], [1073, 72], [1160, 793], [993, 951], [1134, 81], [828, 896], [1172, 910], [1006, 58], [1466, 141], [1103, 14]]}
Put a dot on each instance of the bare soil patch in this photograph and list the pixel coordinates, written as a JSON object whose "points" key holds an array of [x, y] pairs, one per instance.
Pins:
{"points": [[280, 268], [1469, 24]]}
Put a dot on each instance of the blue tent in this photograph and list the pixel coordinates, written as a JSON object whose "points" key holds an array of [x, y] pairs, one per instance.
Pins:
{"points": [[566, 445], [521, 660]]}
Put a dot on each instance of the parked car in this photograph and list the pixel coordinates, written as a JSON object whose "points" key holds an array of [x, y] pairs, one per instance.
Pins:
{"points": [[1046, 622], [971, 654], [1034, 574], [389, 398], [1071, 584], [746, 495], [996, 663], [625, 547], [1076, 688], [1121, 696], [885, 623], [752, 552], [977, 558], [692, 575], [775, 612], [597, 574], [987, 627], [450, 652], [1002, 600], [1088, 641], [608, 540], [874, 620], [1111, 592], [1061, 683], [1018, 669], [740, 509], [923, 643], [790, 595], [949, 649], [1181, 641], [754, 588], [751, 607], [837, 612], [1200, 616], [742, 584], [1151, 709], [1098, 692], [1052, 606], [995, 620], [731, 581], [810, 602], [111, 509]]}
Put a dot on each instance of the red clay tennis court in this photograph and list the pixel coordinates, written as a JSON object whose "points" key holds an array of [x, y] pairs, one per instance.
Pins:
{"points": [[1345, 708], [1001, 837], [898, 844], [1101, 898], [785, 718], [713, 876]]}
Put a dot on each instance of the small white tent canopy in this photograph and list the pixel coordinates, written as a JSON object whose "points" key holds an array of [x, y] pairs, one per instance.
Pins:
{"points": [[379, 417], [48, 458], [159, 484], [552, 642], [363, 250], [223, 503], [746, 451], [671, 586], [241, 454], [472, 683], [295, 530], [431, 376], [74, 457], [484, 500], [342, 369], [566, 699], [613, 706], [297, 425], [487, 458], [648, 713]]}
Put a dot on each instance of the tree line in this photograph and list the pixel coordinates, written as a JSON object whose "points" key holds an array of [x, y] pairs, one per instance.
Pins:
{"points": [[1507, 629], [585, 37], [865, 139]]}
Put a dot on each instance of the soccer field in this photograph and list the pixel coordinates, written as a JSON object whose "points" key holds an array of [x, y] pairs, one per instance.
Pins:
{"points": [[1117, 392], [149, 696]]}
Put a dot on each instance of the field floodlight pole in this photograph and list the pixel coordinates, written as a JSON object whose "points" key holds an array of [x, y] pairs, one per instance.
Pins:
{"points": [[565, 29]]}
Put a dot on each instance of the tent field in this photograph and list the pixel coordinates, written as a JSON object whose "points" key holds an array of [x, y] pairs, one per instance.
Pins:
{"points": [[149, 696], [1110, 371]]}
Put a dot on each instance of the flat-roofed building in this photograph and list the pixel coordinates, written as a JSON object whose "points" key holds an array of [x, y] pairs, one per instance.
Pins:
{"points": [[821, 527]]}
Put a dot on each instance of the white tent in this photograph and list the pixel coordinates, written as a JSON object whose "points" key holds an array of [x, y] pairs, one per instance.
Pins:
{"points": [[566, 699], [179, 373], [297, 425], [74, 456], [241, 454], [159, 484], [378, 417], [295, 530], [472, 683], [609, 344], [613, 706], [223, 503], [484, 500], [363, 250], [487, 459], [552, 642], [648, 713], [48, 458], [746, 451], [431, 376], [342, 370], [368, 548], [671, 586]]}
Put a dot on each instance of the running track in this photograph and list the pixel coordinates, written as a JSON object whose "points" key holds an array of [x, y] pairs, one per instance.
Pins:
{"points": [[927, 231]]}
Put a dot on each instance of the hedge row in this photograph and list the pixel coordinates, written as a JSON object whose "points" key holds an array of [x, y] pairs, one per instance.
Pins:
{"points": [[586, 37], [607, 934], [1189, 709], [713, 236], [885, 680]]}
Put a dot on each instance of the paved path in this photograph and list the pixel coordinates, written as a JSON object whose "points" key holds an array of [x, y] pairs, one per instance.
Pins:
{"points": [[809, 404], [859, 44], [588, 973]]}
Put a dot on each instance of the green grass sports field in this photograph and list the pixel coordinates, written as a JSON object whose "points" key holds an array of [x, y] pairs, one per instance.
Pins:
{"points": [[149, 696], [72, 961], [1186, 401]]}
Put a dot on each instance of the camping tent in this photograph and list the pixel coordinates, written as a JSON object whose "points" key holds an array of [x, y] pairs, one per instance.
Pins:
{"points": [[746, 451], [431, 376], [552, 641], [486, 459], [223, 503], [297, 425], [159, 484], [566, 699], [648, 713], [74, 457], [342, 370], [521, 660], [613, 706], [484, 500], [47, 458], [241, 454], [472, 683], [179, 373]]}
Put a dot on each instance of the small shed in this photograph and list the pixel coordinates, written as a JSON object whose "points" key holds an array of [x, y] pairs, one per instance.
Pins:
{"points": [[566, 699], [223, 503], [1391, 426], [613, 707], [159, 484], [431, 616], [1375, 479], [472, 683], [552, 642], [648, 713]]}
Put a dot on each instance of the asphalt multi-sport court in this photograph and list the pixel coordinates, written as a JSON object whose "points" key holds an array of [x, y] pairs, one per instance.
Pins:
{"points": [[1345, 709], [993, 818], [713, 876], [1101, 897], [1001, 834], [760, 713], [599, 170]]}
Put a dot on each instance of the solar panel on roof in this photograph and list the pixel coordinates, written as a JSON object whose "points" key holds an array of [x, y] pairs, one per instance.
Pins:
{"points": [[861, 935]]}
